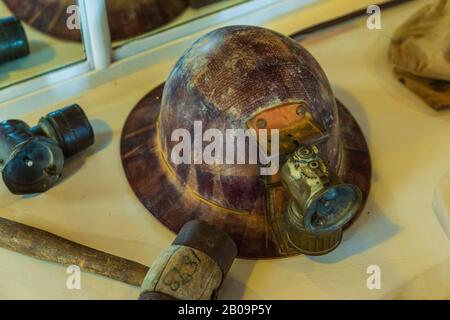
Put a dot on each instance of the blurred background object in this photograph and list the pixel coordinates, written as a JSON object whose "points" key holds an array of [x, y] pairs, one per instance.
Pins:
{"points": [[201, 3], [13, 40], [191, 11], [420, 52], [127, 19], [441, 203]]}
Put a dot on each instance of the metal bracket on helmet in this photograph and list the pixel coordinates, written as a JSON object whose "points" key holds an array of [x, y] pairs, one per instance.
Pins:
{"points": [[295, 123]]}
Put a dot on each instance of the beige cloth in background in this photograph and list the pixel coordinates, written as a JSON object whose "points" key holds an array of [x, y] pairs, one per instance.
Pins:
{"points": [[420, 51], [434, 92]]}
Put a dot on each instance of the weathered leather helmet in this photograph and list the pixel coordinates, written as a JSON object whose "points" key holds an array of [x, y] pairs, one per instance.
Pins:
{"points": [[244, 77]]}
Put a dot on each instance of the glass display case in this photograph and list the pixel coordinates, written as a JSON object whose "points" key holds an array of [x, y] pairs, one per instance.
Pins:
{"points": [[130, 24], [71, 38], [46, 53]]}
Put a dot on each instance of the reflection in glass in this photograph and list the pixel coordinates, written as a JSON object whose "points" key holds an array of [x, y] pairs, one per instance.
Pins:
{"points": [[46, 52], [13, 40], [126, 18], [148, 17]]}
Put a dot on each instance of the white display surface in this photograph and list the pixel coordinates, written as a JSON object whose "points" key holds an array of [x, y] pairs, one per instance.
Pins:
{"points": [[401, 229]]}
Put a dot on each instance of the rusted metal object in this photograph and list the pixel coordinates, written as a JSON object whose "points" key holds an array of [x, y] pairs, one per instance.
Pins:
{"points": [[13, 40], [32, 159], [193, 267], [45, 246], [229, 79], [126, 18]]}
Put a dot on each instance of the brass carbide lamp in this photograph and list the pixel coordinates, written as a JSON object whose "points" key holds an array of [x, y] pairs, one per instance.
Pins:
{"points": [[320, 203]]}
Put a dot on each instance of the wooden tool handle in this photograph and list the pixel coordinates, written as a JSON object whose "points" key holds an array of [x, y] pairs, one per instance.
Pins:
{"points": [[43, 245]]}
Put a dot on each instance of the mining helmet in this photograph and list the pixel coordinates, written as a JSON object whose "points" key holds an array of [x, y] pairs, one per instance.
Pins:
{"points": [[250, 78]]}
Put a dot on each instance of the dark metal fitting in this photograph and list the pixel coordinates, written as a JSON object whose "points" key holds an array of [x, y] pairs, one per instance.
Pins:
{"points": [[70, 128], [13, 40], [32, 159]]}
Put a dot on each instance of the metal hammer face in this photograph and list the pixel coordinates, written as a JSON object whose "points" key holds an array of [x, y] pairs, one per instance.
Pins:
{"points": [[32, 158]]}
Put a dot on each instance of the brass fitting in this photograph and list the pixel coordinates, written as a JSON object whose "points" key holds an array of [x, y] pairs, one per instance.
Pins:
{"points": [[320, 204]]}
